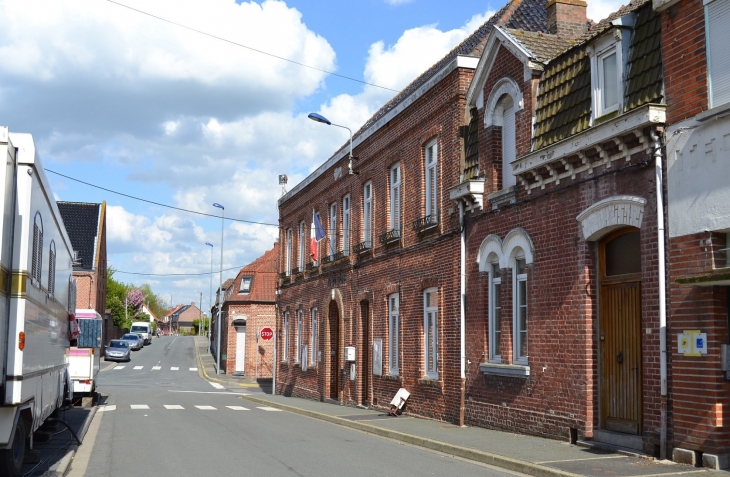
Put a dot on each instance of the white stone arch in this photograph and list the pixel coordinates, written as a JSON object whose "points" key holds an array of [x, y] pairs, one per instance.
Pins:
{"points": [[490, 248], [516, 239], [493, 110], [611, 214]]}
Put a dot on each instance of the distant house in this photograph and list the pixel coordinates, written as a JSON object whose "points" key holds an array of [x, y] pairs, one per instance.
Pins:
{"points": [[181, 318]]}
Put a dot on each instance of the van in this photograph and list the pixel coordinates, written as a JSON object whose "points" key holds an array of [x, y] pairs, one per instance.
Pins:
{"points": [[144, 328]]}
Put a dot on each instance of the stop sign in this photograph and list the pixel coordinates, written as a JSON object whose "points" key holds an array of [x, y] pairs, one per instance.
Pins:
{"points": [[267, 333]]}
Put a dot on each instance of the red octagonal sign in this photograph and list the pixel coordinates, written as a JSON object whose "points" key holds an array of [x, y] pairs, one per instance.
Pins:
{"points": [[267, 333]]}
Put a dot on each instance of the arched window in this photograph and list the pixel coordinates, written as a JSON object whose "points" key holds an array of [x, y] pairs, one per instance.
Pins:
{"points": [[37, 257], [509, 141], [52, 269]]}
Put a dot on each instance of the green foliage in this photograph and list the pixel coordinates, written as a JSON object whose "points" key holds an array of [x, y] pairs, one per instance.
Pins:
{"points": [[117, 291], [196, 325]]}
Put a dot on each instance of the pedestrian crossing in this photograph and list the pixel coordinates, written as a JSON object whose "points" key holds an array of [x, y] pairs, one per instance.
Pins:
{"points": [[154, 368], [178, 407]]}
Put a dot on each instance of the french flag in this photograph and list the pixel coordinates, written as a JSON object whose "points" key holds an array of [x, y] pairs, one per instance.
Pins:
{"points": [[316, 233]]}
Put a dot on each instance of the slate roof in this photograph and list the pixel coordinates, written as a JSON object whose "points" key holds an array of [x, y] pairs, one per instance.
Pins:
{"points": [[564, 97], [82, 225], [542, 46]]}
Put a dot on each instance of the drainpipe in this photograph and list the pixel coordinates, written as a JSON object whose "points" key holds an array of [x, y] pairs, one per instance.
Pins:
{"points": [[657, 146], [462, 287]]}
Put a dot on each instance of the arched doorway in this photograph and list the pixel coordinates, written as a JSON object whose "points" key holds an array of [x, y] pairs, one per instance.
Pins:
{"points": [[334, 348], [620, 331]]}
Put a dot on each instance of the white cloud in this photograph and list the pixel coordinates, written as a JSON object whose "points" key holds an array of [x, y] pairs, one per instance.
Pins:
{"points": [[597, 11]]}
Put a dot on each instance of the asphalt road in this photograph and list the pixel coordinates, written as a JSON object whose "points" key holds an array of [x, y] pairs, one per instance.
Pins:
{"points": [[162, 418]]}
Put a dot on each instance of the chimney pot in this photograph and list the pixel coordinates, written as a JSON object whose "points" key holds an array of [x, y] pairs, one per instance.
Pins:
{"points": [[567, 18]]}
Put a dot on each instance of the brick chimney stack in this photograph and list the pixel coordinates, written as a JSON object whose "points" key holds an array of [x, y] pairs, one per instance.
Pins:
{"points": [[567, 18]]}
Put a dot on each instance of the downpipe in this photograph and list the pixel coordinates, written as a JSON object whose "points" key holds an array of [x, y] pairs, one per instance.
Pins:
{"points": [[462, 313]]}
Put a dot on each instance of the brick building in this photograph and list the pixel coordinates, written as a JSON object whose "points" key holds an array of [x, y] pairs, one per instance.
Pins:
{"points": [[249, 306], [697, 79], [562, 270], [387, 278], [181, 317]]}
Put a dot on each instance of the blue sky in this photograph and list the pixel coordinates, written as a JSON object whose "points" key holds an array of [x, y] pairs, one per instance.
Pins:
{"points": [[130, 103]]}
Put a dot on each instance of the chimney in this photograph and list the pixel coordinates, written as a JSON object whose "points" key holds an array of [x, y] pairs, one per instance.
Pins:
{"points": [[567, 18]]}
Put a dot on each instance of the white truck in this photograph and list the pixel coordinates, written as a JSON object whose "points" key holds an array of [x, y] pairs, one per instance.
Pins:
{"points": [[37, 295], [144, 328], [84, 359]]}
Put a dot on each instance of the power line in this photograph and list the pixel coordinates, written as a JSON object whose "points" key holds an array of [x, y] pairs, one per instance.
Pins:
{"points": [[158, 203], [250, 48], [177, 274]]}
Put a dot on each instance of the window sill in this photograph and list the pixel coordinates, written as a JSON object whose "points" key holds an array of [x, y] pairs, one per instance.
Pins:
{"points": [[391, 377], [505, 369], [426, 381], [503, 197]]}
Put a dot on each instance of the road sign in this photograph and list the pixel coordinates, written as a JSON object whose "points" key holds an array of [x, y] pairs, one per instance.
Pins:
{"points": [[267, 333]]}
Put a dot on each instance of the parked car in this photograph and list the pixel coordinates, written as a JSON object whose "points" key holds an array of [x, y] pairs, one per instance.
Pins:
{"points": [[141, 336], [135, 342], [118, 350], [145, 328]]}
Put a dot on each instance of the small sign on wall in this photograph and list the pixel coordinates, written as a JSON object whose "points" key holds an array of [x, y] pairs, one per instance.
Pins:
{"points": [[692, 343], [378, 357]]}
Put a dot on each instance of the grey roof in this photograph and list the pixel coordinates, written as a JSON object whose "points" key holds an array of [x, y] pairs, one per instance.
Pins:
{"points": [[82, 225]]}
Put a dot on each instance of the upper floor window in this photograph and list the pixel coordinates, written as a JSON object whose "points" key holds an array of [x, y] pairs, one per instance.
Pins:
{"points": [[717, 19], [315, 331], [346, 224], [52, 269], [37, 257], [246, 284], [495, 313], [367, 214], [395, 197], [393, 333], [519, 297], [607, 72], [299, 336], [509, 141], [431, 165], [302, 245], [430, 332], [333, 229], [288, 252], [285, 331]]}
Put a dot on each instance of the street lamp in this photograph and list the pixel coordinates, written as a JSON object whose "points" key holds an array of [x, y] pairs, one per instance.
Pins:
{"points": [[220, 295], [210, 292], [321, 119]]}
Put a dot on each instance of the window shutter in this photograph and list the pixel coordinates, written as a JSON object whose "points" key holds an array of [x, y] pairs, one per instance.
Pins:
{"points": [[51, 272], [34, 255], [718, 34], [509, 147], [431, 181], [39, 260]]}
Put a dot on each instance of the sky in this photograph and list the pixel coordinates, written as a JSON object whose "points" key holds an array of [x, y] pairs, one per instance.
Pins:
{"points": [[134, 102]]}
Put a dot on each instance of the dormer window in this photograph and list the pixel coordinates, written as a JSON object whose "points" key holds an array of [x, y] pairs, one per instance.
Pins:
{"points": [[246, 284], [607, 72]]}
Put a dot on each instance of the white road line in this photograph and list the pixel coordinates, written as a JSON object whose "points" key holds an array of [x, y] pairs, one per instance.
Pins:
{"points": [[206, 408], [217, 386], [139, 406], [193, 369], [238, 408], [209, 392], [119, 367], [173, 406], [266, 408], [174, 368], [138, 367], [110, 407], [155, 368]]}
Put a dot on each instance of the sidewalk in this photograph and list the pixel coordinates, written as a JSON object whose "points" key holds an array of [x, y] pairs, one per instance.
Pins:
{"points": [[530, 455]]}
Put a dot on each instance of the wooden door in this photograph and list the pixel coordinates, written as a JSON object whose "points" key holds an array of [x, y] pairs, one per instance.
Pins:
{"points": [[334, 358], [620, 333], [365, 347]]}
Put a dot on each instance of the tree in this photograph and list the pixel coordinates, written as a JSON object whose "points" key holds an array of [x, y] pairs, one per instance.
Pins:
{"points": [[116, 292], [196, 325]]}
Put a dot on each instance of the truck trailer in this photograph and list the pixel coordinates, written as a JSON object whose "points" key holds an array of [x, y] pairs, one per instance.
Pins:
{"points": [[84, 359], [37, 300]]}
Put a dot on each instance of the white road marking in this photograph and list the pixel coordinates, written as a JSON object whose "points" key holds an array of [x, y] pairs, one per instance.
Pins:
{"points": [[209, 392], [155, 368], [206, 408], [119, 367], [173, 406], [217, 386], [193, 369], [139, 406], [266, 408], [110, 407], [174, 368], [238, 408], [138, 367]]}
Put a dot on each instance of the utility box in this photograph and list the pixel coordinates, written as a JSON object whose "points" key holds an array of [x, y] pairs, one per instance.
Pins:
{"points": [[349, 353]]}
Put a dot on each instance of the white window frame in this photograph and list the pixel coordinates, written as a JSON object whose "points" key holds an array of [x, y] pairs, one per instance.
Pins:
{"points": [[299, 335], [394, 334], [286, 337], [430, 154], [430, 339], [495, 308], [302, 245], [396, 197], [333, 229], [315, 331], [367, 213], [509, 140], [600, 50], [288, 252], [346, 225], [517, 331], [717, 13], [245, 279]]}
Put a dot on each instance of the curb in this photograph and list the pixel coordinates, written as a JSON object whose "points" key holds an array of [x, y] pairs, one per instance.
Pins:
{"points": [[64, 465], [483, 457]]}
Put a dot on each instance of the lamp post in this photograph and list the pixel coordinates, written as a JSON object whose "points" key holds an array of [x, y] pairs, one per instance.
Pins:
{"points": [[210, 291], [220, 299], [321, 119]]}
